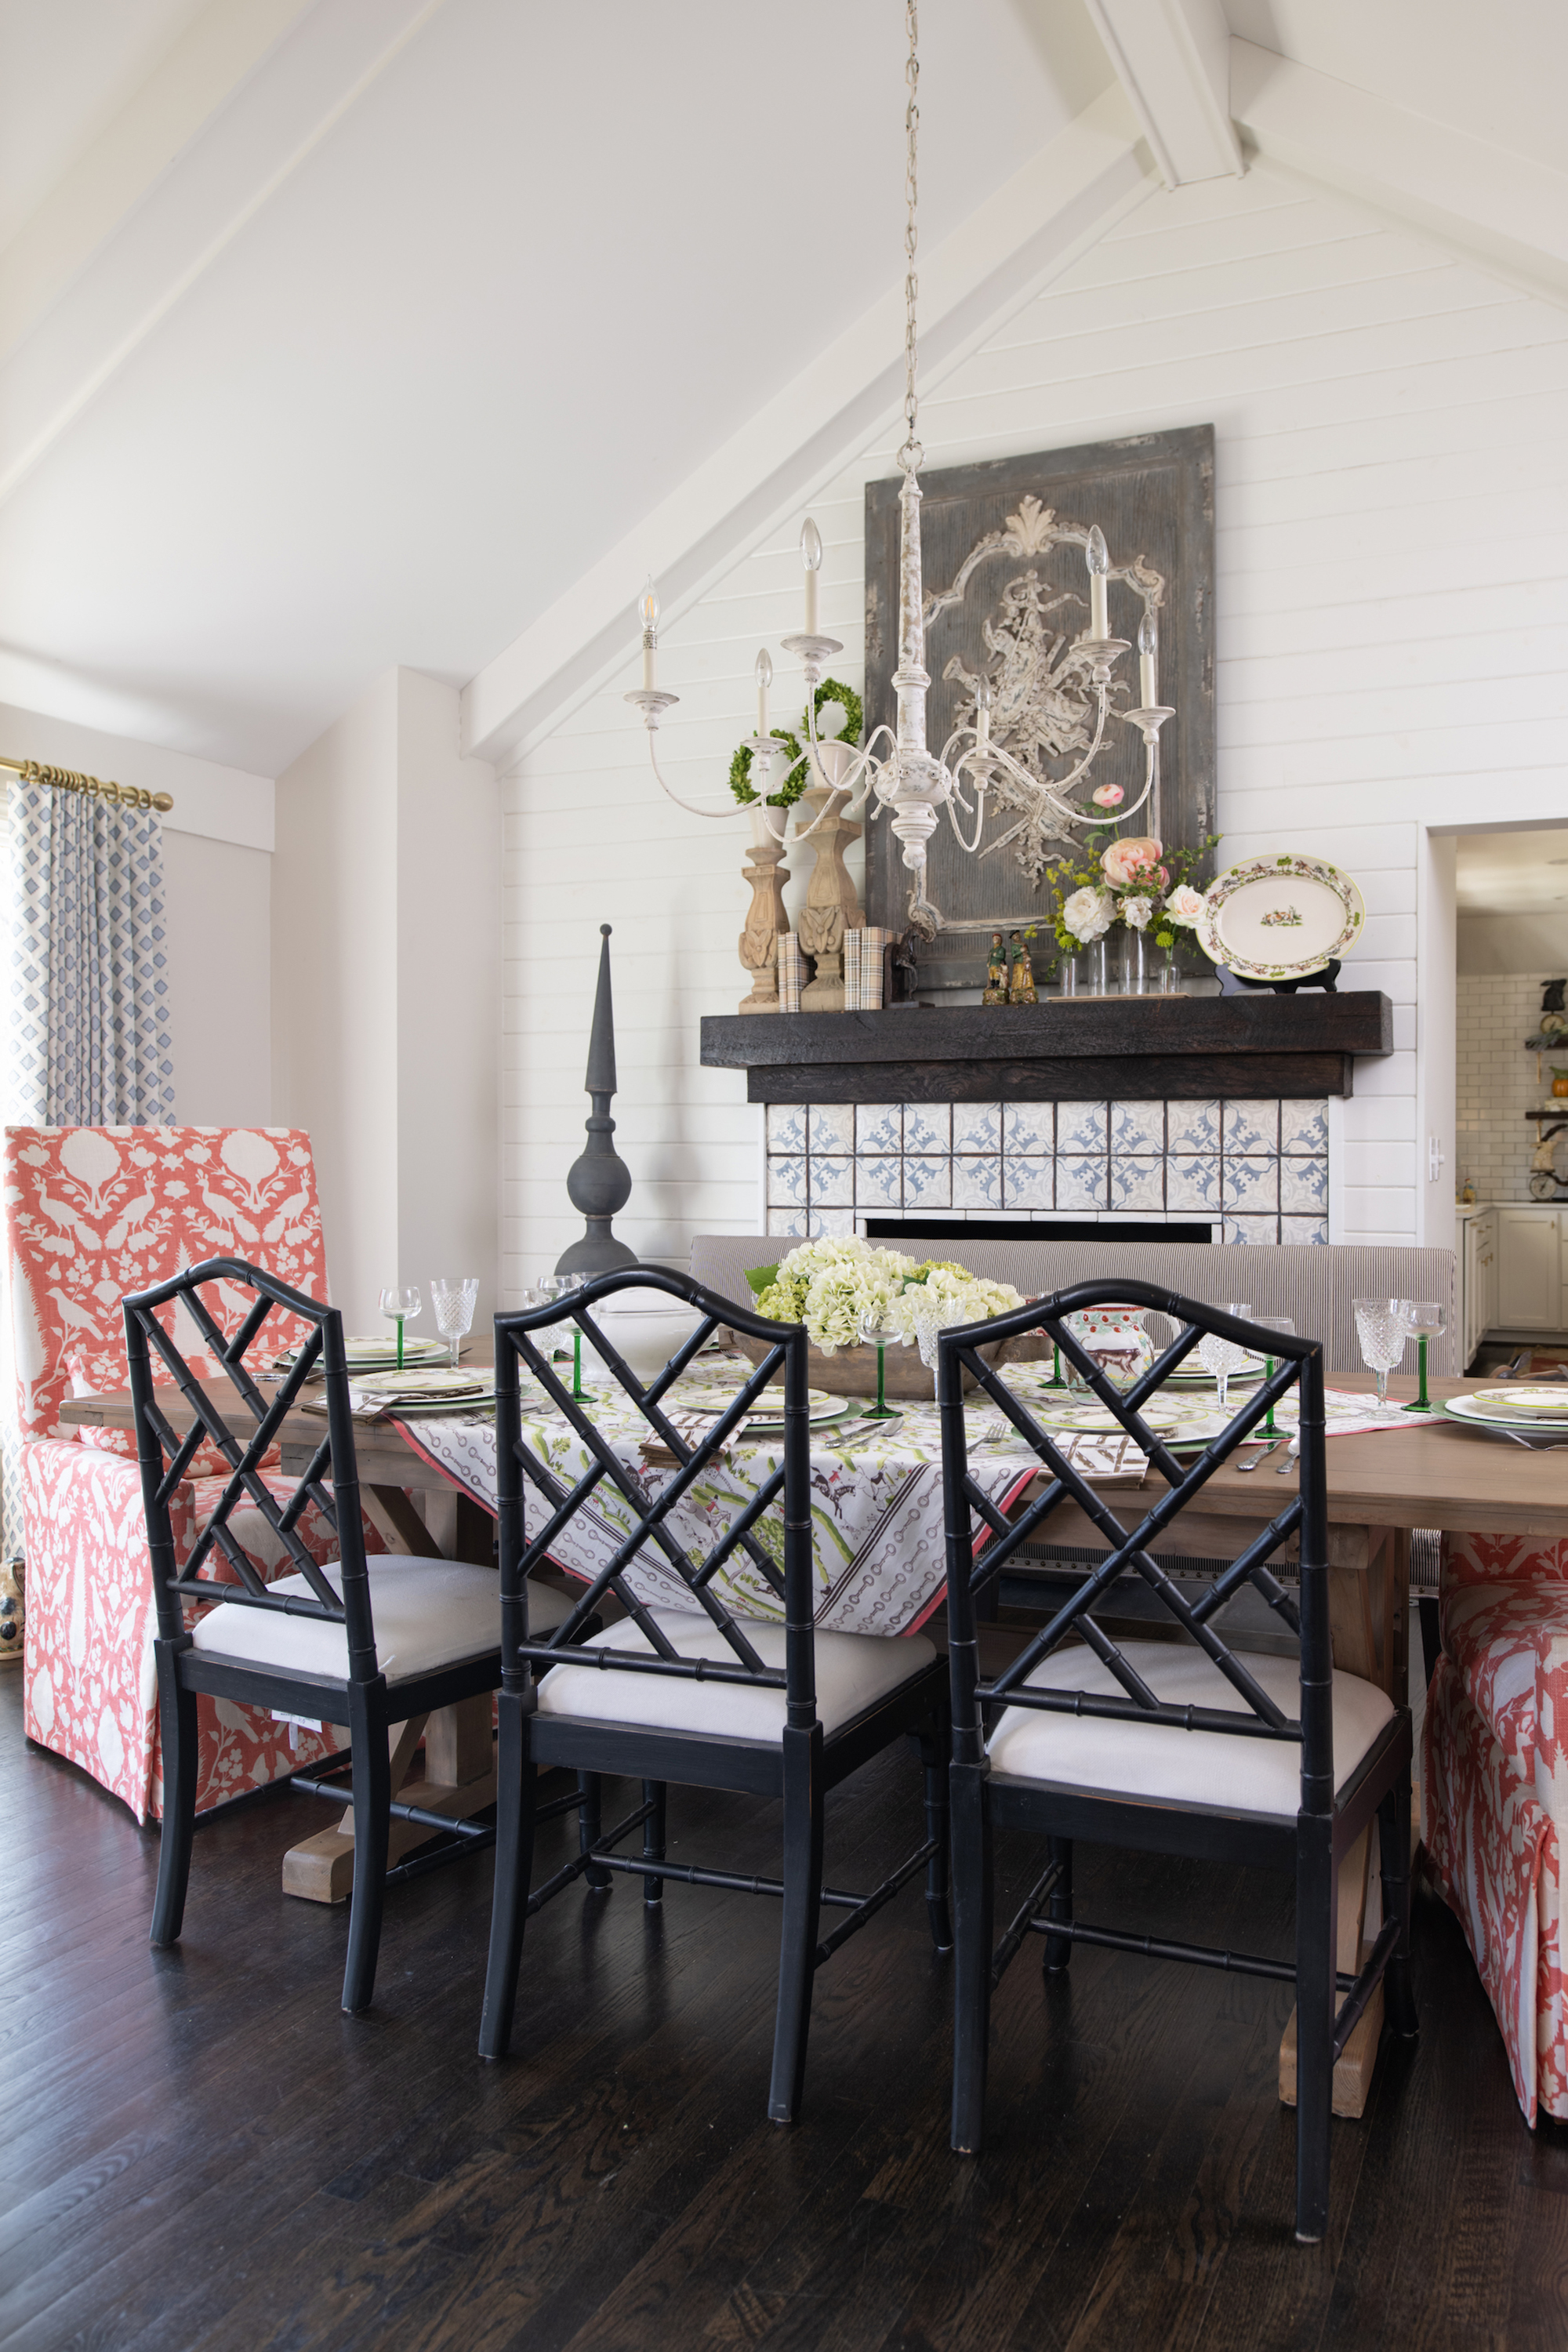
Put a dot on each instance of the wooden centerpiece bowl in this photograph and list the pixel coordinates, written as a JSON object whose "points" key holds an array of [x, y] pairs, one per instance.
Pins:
{"points": [[852, 1371]]}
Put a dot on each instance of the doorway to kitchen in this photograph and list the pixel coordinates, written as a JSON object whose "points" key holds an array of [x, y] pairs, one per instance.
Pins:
{"points": [[1510, 1128]]}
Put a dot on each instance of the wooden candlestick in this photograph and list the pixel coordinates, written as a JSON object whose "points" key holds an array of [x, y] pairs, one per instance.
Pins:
{"points": [[765, 920], [831, 907]]}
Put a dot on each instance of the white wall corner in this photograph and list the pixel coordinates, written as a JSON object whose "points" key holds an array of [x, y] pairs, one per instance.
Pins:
{"points": [[1172, 59], [1436, 1043], [1494, 204], [222, 803], [1057, 207]]}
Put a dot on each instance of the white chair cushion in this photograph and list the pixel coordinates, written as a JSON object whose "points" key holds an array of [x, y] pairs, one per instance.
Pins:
{"points": [[427, 1613], [1172, 1766], [853, 1671]]}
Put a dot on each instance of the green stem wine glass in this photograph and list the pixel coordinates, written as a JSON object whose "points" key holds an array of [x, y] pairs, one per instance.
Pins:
{"points": [[1427, 1319]]}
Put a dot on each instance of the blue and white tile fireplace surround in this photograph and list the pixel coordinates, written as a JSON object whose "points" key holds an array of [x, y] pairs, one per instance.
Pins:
{"points": [[1207, 1112], [1255, 1171]]}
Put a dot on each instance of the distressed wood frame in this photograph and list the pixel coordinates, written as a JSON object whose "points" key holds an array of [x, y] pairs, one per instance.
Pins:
{"points": [[1152, 495]]}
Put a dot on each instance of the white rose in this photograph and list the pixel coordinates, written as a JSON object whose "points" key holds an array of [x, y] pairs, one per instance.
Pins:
{"points": [[1088, 913], [1137, 912], [1184, 906]]}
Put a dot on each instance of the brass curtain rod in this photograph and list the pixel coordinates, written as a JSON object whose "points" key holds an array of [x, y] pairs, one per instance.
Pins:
{"points": [[66, 779]]}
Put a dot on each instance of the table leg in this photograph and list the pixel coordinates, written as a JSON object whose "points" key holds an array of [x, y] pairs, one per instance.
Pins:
{"points": [[459, 1750], [1368, 1614]]}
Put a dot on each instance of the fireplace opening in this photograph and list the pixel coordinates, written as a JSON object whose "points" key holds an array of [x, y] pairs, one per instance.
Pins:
{"points": [[1027, 1229]]}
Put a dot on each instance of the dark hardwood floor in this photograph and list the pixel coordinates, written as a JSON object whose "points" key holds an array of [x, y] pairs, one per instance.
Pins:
{"points": [[199, 2149]]}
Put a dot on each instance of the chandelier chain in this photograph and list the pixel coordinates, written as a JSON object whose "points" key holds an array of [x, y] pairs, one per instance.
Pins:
{"points": [[910, 454]]}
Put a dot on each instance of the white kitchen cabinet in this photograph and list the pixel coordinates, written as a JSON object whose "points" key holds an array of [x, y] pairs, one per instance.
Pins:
{"points": [[1478, 1271], [1529, 1270]]}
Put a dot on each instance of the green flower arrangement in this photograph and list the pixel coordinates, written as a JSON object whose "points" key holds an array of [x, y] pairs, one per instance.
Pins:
{"points": [[830, 690], [1147, 889]]}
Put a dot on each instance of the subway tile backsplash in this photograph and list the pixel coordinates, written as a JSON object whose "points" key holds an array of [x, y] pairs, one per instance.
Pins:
{"points": [[1497, 1081], [1259, 1171]]}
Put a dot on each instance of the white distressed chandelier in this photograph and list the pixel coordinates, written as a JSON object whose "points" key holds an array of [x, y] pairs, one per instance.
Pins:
{"points": [[895, 771]]}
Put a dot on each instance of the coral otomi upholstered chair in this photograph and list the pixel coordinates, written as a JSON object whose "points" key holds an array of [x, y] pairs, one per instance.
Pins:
{"points": [[1495, 1769], [92, 1212]]}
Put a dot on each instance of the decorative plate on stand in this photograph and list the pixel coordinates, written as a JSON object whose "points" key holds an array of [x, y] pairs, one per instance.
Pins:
{"points": [[1280, 917]]}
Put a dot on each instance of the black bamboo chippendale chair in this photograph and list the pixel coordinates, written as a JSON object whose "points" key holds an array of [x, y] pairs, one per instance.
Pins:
{"points": [[1181, 1746], [694, 1693], [366, 1643]]}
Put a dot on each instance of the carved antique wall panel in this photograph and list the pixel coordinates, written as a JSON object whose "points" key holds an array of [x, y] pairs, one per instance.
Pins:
{"points": [[1007, 597]]}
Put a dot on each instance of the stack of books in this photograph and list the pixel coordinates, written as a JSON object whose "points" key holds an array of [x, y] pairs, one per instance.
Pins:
{"points": [[863, 968], [791, 971]]}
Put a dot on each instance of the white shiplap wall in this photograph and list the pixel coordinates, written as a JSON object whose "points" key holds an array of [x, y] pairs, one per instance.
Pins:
{"points": [[1393, 635]]}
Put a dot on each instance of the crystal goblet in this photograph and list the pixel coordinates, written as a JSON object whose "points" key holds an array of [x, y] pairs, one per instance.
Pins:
{"points": [[453, 1302], [401, 1305], [1383, 1327], [1224, 1357]]}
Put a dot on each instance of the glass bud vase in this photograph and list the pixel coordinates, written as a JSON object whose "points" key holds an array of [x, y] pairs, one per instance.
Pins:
{"points": [[1098, 980], [1069, 979], [1134, 964]]}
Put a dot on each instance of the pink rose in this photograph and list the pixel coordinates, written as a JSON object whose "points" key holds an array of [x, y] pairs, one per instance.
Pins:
{"points": [[1131, 860], [1108, 796]]}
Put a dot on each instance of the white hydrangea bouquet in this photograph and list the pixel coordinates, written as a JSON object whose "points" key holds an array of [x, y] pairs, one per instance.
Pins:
{"points": [[832, 1287]]}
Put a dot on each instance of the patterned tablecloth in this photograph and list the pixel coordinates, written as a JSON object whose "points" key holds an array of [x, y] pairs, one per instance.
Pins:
{"points": [[876, 1506]]}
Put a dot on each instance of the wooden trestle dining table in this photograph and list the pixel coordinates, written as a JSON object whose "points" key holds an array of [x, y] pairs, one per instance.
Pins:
{"points": [[1433, 1473]]}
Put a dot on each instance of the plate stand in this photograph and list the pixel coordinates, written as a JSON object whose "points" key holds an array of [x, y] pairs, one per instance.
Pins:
{"points": [[1232, 984]]}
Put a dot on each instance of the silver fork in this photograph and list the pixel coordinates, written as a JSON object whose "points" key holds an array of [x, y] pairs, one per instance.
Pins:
{"points": [[1262, 1456], [1283, 1469]]}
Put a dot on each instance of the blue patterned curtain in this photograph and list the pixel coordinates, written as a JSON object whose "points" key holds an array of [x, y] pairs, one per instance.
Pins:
{"points": [[88, 1009]]}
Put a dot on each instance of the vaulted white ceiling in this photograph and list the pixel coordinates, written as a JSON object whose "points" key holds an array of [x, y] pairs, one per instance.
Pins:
{"points": [[335, 333]]}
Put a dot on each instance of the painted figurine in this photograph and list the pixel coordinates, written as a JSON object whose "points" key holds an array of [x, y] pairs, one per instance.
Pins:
{"points": [[995, 972], [1021, 972]]}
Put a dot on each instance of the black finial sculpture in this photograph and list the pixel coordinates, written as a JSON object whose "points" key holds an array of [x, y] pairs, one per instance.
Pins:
{"points": [[599, 1183]]}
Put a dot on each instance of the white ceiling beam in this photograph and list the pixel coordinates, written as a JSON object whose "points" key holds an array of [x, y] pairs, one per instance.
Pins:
{"points": [[1490, 203], [1172, 59], [273, 115], [88, 202], [1059, 206]]}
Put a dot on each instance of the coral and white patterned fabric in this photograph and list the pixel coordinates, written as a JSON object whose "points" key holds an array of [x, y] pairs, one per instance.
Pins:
{"points": [[90, 1680], [94, 1212], [1495, 1756], [91, 1214]]}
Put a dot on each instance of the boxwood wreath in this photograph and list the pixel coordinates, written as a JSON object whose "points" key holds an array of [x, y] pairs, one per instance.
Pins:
{"points": [[793, 784]]}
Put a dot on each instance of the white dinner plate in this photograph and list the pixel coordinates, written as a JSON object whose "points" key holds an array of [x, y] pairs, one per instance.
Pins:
{"points": [[1539, 1403], [1097, 1418], [414, 1382], [1280, 917], [1530, 1430]]}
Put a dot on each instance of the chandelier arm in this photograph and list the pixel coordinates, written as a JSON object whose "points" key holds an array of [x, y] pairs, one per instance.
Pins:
{"points": [[690, 807], [860, 766], [969, 847], [1045, 793]]}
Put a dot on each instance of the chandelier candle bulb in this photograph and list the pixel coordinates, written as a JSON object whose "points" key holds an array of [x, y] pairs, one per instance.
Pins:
{"points": [[1148, 662], [983, 701], [1098, 556], [811, 556], [647, 607], [764, 680]]}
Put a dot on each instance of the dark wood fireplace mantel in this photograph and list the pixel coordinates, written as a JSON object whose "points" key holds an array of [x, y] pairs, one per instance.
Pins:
{"points": [[1145, 1049]]}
